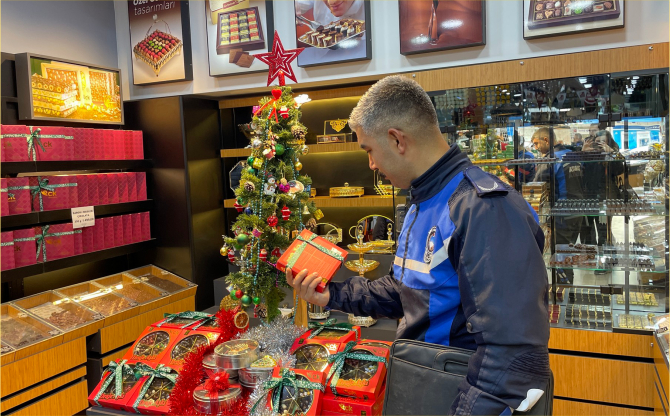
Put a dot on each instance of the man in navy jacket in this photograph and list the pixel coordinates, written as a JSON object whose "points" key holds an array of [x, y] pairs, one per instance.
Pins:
{"points": [[468, 270]]}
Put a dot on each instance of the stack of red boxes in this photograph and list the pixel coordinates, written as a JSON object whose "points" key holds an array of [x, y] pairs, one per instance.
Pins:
{"points": [[28, 143], [160, 349]]}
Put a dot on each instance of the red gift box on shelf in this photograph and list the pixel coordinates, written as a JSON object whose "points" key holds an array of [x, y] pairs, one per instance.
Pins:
{"points": [[146, 226], [341, 405], [78, 242], [15, 142], [54, 242], [112, 188], [87, 237], [128, 144], [92, 184], [110, 238], [308, 383], [78, 144], [103, 188], [138, 145], [188, 341], [54, 143], [314, 253], [122, 181], [119, 144], [136, 224], [74, 190], [141, 186], [52, 192], [83, 199], [127, 229], [152, 398], [131, 180], [7, 250], [153, 344], [99, 240], [105, 394], [358, 371], [98, 144], [4, 202], [118, 230], [19, 195], [108, 144], [24, 247]]}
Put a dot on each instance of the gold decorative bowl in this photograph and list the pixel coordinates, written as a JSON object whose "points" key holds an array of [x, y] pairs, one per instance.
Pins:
{"points": [[361, 266], [364, 321], [346, 191]]}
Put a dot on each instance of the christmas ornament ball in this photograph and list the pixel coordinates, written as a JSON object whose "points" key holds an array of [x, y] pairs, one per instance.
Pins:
{"points": [[298, 166], [256, 300], [246, 300], [241, 201], [224, 251], [233, 296], [279, 149], [250, 160], [305, 149], [243, 239], [256, 143], [239, 293], [251, 170], [248, 211]]}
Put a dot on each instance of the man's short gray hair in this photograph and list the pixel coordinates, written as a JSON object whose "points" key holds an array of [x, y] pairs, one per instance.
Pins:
{"points": [[393, 102]]}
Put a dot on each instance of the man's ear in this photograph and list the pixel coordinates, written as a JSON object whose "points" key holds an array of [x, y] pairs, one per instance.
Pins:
{"points": [[397, 140]]}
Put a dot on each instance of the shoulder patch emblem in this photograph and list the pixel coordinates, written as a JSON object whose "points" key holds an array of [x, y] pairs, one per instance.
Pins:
{"points": [[430, 246], [484, 183]]}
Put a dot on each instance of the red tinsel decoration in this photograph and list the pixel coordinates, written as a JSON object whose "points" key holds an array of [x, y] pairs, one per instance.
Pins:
{"points": [[192, 374]]}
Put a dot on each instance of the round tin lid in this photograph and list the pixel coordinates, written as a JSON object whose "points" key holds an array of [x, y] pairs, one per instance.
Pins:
{"points": [[236, 347]]}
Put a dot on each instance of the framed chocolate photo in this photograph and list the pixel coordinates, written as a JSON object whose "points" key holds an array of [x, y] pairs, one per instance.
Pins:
{"points": [[236, 30], [544, 18], [438, 25], [160, 41], [332, 31]]}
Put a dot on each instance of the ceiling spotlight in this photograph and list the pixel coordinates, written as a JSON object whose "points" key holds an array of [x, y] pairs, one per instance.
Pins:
{"points": [[587, 85], [302, 99]]}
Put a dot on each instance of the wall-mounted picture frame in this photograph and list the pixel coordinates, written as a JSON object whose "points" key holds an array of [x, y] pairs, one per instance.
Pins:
{"points": [[438, 25], [236, 30], [545, 18], [332, 31], [160, 41], [54, 89]]}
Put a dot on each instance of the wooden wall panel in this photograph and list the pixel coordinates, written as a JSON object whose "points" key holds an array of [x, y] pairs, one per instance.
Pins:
{"points": [[320, 94], [42, 389], [570, 408], [66, 402], [603, 380], [601, 342], [28, 371]]}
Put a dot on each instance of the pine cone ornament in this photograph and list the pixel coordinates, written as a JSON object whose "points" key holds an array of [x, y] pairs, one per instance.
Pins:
{"points": [[298, 132], [249, 187]]}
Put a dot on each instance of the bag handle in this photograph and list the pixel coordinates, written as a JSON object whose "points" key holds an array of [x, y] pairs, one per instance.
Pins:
{"points": [[454, 362]]}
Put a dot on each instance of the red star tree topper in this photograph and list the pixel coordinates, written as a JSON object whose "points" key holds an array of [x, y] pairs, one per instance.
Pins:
{"points": [[279, 61]]}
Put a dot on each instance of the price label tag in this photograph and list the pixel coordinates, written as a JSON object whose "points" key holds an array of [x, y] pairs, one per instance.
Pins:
{"points": [[83, 217]]}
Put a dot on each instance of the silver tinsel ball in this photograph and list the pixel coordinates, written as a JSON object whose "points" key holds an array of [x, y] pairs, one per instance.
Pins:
{"points": [[275, 338], [256, 143]]}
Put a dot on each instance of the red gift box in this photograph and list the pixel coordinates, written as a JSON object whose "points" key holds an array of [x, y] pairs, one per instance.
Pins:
{"points": [[141, 186], [119, 144], [310, 255], [138, 145], [329, 332], [118, 230], [136, 224], [57, 143], [127, 229], [144, 348], [24, 247], [54, 242], [122, 180], [186, 319], [14, 143], [51, 192], [341, 405], [316, 377], [87, 237], [18, 195], [104, 393], [79, 145], [98, 144], [112, 188], [365, 389], [99, 240], [83, 199], [103, 188], [110, 238], [7, 252], [128, 144], [108, 144], [92, 184], [146, 226], [74, 191], [4, 202], [153, 381], [131, 180], [78, 242], [189, 340], [89, 143]]}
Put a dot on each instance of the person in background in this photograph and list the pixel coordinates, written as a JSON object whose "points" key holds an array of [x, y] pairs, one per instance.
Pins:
{"points": [[526, 171], [577, 142]]}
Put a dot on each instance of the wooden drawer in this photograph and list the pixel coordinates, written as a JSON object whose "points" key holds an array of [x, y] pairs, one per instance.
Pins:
{"points": [[603, 380], [601, 342], [42, 388], [66, 402], [570, 408]]}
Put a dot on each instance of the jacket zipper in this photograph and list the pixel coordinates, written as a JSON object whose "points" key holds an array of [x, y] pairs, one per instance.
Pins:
{"points": [[409, 230]]}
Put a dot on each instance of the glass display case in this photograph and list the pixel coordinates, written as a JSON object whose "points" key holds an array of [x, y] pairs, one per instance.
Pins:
{"points": [[58, 310], [589, 154]]}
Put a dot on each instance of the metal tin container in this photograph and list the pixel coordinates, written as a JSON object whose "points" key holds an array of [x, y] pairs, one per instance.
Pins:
{"points": [[254, 377], [210, 367], [236, 354], [225, 400]]}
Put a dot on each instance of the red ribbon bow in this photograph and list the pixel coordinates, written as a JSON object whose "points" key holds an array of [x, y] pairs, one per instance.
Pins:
{"points": [[217, 383]]}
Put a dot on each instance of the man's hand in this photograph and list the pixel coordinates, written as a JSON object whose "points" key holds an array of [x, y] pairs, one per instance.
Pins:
{"points": [[306, 287]]}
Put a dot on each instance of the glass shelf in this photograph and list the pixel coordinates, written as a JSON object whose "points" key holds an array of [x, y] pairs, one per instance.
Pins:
{"points": [[640, 264], [546, 162]]}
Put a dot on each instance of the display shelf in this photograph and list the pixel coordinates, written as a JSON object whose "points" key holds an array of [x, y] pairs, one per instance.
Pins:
{"points": [[548, 162], [313, 148], [362, 201], [12, 168], [50, 266], [11, 222]]}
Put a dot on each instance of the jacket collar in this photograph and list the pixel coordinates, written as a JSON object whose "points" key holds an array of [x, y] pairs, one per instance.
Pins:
{"points": [[438, 176]]}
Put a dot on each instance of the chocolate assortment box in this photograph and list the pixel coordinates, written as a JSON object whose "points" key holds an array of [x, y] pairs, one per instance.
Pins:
{"points": [[334, 33], [240, 29], [157, 48], [544, 13]]}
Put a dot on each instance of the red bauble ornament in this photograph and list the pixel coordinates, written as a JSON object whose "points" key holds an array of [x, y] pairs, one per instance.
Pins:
{"points": [[239, 293], [276, 252], [279, 61], [285, 213], [283, 112], [238, 207], [273, 220], [263, 255]]}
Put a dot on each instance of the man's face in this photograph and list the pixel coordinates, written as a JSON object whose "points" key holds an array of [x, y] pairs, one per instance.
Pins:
{"points": [[382, 159], [541, 144], [593, 131], [338, 7]]}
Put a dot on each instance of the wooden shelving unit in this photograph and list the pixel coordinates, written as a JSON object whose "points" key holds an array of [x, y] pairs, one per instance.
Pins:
{"points": [[13, 168], [313, 148], [328, 202]]}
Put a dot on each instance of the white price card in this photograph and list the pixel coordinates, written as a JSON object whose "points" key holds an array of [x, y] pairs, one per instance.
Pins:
{"points": [[83, 217]]}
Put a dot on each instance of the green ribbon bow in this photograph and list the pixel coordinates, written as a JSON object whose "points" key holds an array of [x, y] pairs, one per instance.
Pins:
{"points": [[338, 359], [161, 371], [293, 258], [277, 384], [44, 184], [331, 323], [116, 372], [40, 238], [200, 318]]}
